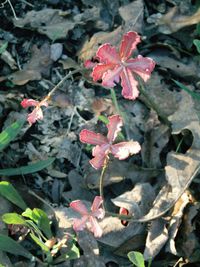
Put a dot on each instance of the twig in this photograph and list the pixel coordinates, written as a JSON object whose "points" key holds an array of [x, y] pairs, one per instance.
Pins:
{"points": [[101, 180]]}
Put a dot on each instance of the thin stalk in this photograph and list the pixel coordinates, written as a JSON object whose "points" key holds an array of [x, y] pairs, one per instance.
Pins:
{"points": [[101, 180], [61, 82]]}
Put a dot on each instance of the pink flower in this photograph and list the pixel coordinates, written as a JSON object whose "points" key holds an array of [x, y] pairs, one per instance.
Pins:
{"points": [[88, 218], [37, 113], [115, 65], [104, 144]]}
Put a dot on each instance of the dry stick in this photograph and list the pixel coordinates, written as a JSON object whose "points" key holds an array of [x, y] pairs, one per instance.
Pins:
{"points": [[61, 82]]}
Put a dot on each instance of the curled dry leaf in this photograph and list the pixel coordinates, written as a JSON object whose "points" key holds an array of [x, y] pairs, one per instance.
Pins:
{"points": [[181, 168], [137, 202], [174, 21]]}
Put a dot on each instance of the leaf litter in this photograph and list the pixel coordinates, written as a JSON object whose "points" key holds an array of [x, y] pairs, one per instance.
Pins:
{"points": [[152, 186]]}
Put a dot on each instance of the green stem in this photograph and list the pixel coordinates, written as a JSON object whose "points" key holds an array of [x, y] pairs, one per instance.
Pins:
{"points": [[101, 180], [153, 105]]}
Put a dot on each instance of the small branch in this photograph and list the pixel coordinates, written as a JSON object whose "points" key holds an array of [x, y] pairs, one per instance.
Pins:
{"points": [[12, 8]]}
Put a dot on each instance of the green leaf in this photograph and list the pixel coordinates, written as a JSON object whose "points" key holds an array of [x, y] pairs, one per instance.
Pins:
{"points": [[185, 88], [13, 218], [44, 248], [196, 42], [9, 192], [7, 244], [10, 133], [136, 258], [73, 254], [31, 168], [3, 47], [41, 219]]}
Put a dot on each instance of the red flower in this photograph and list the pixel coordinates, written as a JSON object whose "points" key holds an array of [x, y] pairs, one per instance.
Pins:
{"points": [[88, 218], [115, 65], [37, 113], [104, 144]]}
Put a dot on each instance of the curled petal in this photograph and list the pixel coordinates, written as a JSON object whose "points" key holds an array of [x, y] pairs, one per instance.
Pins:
{"points": [[98, 161], [111, 77], [129, 85], [80, 224], [35, 115], [124, 149], [100, 69], [94, 227], [143, 66], [88, 64], [96, 210], [92, 138], [78, 206], [128, 44], [107, 54], [99, 153], [114, 127], [29, 103]]}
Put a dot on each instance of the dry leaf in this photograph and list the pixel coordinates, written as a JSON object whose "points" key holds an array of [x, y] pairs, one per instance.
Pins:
{"points": [[91, 46], [51, 22], [181, 168], [174, 21], [132, 14], [137, 201], [39, 63]]}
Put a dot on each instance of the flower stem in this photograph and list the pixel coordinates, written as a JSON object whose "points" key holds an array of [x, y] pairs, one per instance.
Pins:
{"points": [[152, 104], [101, 180], [61, 82]]}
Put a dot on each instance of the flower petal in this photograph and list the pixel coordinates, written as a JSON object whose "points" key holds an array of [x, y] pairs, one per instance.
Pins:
{"points": [[35, 115], [99, 153], [80, 224], [79, 207], [94, 227], [114, 127], [88, 64], [128, 44], [29, 103], [124, 149], [129, 85], [92, 138], [107, 54], [111, 77], [100, 69], [96, 210], [143, 66]]}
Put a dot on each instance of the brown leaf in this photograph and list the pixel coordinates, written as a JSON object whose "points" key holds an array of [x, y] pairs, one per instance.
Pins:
{"points": [[90, 47], [51, 22], [174, 21], [132, 14]]}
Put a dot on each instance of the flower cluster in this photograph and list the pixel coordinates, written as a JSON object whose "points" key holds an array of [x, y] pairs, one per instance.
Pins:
{"points": [[113, 66]]}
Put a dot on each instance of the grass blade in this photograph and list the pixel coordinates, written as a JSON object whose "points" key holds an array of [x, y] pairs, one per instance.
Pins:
{"points": [[31, 168]]}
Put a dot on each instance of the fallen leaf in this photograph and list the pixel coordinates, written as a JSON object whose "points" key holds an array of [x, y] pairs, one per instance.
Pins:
{"points": [[91, 46], [137, 201], [51, 22], [174, 21], [132, 14], [181, 168], [39, 63]]}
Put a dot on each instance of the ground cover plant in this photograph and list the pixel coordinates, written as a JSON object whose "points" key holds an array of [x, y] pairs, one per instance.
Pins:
{"points": [[100, 134]]}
